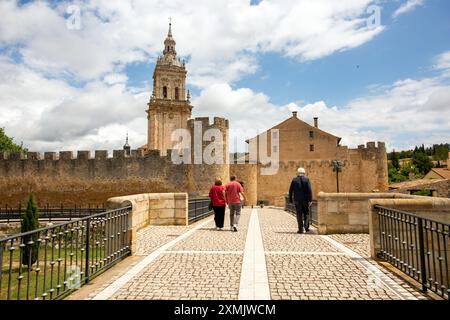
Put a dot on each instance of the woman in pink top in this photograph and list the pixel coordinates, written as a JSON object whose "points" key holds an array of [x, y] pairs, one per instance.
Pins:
{"points": [[217, 195]]}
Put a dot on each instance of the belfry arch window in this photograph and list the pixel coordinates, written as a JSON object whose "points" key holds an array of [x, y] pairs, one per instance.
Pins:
{"points": [[177, 95], [165, 92]]}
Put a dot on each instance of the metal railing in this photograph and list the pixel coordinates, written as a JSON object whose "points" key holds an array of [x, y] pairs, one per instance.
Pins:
{"points": [[46, 213], [199, 209], [417, 246], [49, 263], [290, 207]]}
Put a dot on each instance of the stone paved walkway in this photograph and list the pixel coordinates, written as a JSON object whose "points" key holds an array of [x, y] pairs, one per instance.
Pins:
{"points": [[265, 259]]}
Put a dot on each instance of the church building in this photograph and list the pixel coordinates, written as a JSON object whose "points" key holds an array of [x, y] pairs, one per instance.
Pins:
{"points": [[169, 107]]}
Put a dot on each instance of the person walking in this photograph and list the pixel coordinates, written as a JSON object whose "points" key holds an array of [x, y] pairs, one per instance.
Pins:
{"points": [[233, 192], [241, 196], [217, 195], [300, 193]]}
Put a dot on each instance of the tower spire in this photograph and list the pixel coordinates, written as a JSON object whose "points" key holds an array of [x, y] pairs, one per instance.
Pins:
{"points": [[170, 27]]}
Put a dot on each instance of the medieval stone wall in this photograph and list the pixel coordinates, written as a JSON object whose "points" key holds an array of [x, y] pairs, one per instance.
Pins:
{"points": [[365, 170], [65, 178], [62, 178]]}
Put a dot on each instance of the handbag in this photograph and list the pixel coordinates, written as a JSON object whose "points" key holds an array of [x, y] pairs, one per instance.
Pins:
{"points": [[210, 206]]}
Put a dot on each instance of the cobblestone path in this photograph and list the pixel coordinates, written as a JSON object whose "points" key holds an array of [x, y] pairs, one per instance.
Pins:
{"points": [[265, 259]]}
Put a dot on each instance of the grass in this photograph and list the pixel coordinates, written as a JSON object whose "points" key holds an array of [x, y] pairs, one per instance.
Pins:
{"points": [[54, 278]]}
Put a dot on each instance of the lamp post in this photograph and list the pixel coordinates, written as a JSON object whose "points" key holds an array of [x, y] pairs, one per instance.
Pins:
{"points": [[337, 167]]}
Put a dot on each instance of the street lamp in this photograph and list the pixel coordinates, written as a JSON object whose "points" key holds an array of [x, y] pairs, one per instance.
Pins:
{"points": [[337, 167]]}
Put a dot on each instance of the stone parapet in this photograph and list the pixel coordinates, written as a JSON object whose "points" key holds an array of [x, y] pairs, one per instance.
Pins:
{"points": [[347, 212], [158, 209]]}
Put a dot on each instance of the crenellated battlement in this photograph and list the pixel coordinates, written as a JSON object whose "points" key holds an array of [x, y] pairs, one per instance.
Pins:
{"points": [[83, 155], [219, 123], [372, 146]]}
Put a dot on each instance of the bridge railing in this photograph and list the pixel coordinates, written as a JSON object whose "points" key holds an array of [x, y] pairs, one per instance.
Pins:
{"points": [[51, 262], [50, 213], [290, 207], [417, 246], [198, 208]]}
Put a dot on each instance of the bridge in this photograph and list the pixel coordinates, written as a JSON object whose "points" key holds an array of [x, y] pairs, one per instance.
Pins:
{"points": [[265, 260]]}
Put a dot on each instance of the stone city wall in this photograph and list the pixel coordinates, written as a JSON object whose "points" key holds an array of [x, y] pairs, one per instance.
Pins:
{"points": [[62, 178], [365, 170]]}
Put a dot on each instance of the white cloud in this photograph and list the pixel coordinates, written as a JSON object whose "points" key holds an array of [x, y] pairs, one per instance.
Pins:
{"points": [[442, 63], [220, 37], [408, 6], [403, 114], [48, 114]]}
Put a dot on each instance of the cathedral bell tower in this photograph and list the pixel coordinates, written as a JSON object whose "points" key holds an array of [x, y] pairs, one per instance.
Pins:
{"points": [[169, 107]]}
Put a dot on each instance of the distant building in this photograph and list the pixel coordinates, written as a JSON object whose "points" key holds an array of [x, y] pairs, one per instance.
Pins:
{"points": [[439, 173], [437, 187]]}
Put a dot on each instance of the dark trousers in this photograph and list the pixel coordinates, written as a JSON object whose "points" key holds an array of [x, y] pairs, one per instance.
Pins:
{"points": [[302, 210], [219, 215]]}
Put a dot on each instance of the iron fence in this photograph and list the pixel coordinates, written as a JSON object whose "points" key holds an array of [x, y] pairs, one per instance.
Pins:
{"points": [[46, 213], [199, 209], [290, 207], [49, 263], [417, 246]]}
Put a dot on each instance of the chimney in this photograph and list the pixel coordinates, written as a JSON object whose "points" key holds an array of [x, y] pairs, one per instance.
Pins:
{"points": [[294, 114], [316, 122]]}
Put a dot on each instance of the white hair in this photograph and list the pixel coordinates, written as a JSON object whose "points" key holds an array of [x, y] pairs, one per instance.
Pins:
{"points": [[301, 171]]}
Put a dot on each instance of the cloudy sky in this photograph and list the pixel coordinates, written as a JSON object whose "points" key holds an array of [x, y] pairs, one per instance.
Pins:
{"points": [[370, 70]]}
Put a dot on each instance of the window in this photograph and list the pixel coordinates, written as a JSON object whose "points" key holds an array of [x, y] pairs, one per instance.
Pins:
{"points": [[275, 148], [311, 134], [165, 92], [311, 148], [176, 94], [274, 134]]}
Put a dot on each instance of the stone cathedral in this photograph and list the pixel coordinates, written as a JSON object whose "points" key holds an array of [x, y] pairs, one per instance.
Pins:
{"points": [[169, 107]]}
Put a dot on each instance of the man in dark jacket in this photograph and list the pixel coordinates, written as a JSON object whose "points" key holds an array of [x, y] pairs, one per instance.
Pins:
{"points": [[301, 194]]}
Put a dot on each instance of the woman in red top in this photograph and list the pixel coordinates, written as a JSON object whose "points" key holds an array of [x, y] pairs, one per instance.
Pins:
{"points": [[217, 195]]}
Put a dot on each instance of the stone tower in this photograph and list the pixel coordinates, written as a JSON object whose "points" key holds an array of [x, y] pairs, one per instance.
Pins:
{"points": [[169, 107]]}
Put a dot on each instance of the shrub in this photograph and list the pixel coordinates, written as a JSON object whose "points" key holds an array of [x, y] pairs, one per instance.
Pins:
{"points": [[30, 222]]}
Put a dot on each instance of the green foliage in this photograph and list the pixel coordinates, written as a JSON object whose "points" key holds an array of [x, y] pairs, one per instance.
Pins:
{"points": [[395, 176], [422, 162], [30, 222], [440, 152], [7, 143], [423, 192], [395, 160]]}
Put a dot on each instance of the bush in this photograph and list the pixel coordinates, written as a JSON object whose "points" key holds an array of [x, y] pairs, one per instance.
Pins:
{"points": [[423, 192], [30, 222]]}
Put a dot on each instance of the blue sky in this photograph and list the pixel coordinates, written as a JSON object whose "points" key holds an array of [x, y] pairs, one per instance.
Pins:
{"points": [[405, 50], [253, 62]]}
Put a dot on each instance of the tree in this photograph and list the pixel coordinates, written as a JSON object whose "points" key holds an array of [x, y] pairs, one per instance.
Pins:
{"points": [[30, 222], [7, 143], [440, 153], [422, 162], [395, 160]]}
